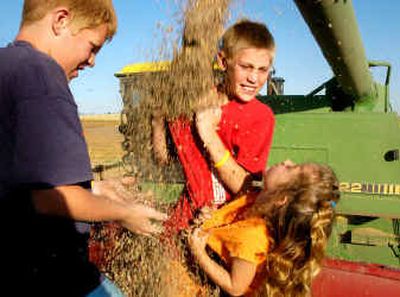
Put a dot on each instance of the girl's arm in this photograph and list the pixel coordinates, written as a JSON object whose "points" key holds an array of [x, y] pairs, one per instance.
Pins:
{"points": [[235, 282]]}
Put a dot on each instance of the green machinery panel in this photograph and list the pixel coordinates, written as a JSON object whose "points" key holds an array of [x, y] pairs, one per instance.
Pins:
{"points": [[362, 148]]}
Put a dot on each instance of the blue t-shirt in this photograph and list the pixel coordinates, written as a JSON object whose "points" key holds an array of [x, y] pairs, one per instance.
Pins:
{"points": [[42, 146]]}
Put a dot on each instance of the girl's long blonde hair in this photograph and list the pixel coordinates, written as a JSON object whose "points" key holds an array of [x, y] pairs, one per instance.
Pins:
{"points": [[299, 230]]}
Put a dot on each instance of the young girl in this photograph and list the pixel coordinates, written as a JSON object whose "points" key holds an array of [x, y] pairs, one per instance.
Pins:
{"points": [[271, 244]]}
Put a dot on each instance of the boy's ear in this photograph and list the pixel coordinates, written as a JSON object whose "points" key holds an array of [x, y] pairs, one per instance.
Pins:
{"points": [[61, 20], [222, 61]]}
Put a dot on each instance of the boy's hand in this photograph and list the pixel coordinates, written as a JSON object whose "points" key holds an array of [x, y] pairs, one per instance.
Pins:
{"points": [[139, 218], [116, 189], [207, 120], [212, 98], [208, 114], [143, 220]]}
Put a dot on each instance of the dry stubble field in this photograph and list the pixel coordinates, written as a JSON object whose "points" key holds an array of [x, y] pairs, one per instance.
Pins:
{"points": [[103, 140], [104, 144]]}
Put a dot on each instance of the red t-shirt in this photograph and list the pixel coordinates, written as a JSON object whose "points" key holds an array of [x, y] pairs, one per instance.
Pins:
{"points": [[246, 129]]}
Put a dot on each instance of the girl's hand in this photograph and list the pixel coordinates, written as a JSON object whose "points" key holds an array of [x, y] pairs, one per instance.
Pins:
{"points": [[204, 214], [198, 240]]}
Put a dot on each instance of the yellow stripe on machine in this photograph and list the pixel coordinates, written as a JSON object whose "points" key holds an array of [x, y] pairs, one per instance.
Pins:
{"points": [[145, 67], [138, 68]]}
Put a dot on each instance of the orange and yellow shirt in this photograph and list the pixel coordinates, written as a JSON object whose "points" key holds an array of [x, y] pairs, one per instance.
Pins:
{"points": [[230, 236]]}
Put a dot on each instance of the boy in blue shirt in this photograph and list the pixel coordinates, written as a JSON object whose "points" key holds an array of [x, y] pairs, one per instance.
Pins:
{"points": [[45, 172]]}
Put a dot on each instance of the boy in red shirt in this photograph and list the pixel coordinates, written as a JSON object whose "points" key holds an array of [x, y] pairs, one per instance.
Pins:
{"points": [[224, 147]]}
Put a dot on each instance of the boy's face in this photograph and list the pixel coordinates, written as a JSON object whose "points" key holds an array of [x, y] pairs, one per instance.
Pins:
{"points": [[247, 72], [76, 51]]}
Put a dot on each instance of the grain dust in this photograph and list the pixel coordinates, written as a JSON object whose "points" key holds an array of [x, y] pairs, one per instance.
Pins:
{"points": [[153, 266]]}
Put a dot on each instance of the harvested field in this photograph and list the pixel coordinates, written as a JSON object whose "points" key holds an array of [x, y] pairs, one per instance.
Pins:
{"points": [[104, 141], [104, 145]]}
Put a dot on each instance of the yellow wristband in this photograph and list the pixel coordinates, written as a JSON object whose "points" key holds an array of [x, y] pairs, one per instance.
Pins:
{"points": [[223, 159]]}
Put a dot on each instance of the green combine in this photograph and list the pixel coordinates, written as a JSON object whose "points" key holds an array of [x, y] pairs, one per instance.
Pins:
{"points": [[348, 123], [352, 128]]}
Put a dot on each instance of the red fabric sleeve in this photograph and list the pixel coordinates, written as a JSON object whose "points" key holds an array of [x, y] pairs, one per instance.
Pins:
{"points": [[198, 191]]}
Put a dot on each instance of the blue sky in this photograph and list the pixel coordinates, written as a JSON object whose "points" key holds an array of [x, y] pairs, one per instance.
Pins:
{"points": [[299, 59]]}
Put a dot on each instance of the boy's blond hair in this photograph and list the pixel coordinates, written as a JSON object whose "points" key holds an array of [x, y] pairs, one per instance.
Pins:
{"points": [[247, 34], [86, 14]]}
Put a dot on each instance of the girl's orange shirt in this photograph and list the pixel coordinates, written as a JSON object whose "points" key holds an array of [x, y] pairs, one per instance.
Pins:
{"points": [[230, 236]]}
